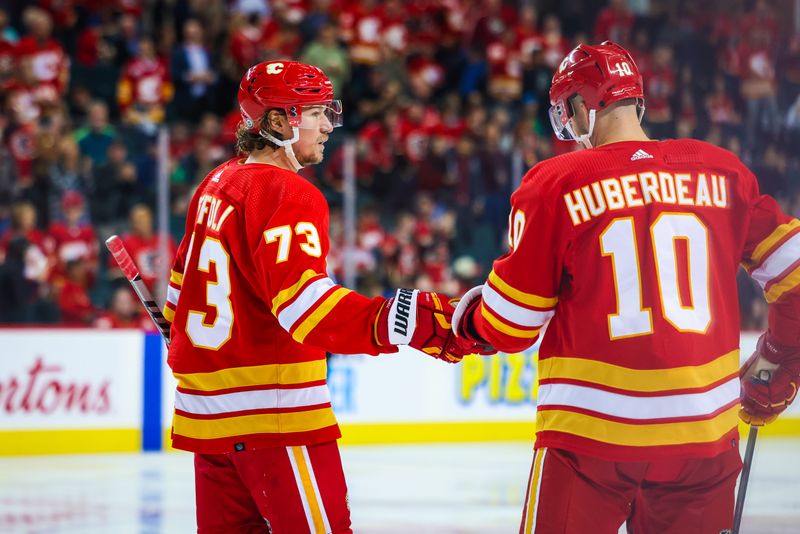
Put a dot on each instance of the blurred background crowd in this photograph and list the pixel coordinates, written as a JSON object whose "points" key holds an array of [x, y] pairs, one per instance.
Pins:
{"points": [[446, 101]]}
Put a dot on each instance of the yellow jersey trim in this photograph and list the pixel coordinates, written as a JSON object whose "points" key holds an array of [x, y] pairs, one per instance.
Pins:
{"points": [[269, 423], [288, 293], [638, 435], [526, 298], [788, 283], [319, 314], [643, 380], [255, 375], [506, 329], [764, 246]]}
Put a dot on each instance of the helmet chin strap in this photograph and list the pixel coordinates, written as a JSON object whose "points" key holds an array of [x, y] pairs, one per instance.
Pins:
{"points": [[585, 139], [286, 144]]}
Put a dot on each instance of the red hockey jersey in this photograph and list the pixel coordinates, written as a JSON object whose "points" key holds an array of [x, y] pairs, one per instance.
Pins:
{"points": [[633, 248], [253, 312]]}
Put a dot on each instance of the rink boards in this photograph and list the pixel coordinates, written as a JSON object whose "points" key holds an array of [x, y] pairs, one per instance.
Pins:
{"points": [[73, 391]]}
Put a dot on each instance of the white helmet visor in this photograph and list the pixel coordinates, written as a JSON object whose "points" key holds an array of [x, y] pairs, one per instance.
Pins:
{"points": [[316, 116]]}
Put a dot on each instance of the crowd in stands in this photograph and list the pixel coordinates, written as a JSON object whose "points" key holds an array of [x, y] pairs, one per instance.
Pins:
{"points": [[446, 101]]}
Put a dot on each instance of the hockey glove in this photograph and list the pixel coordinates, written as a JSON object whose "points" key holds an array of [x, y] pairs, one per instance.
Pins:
{"points": [[462, 316], [769, 381], [421, 320]]}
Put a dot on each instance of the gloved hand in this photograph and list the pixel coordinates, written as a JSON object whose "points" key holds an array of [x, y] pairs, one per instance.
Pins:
{"points": [[769, 381], [422, 320], [462, 316]]}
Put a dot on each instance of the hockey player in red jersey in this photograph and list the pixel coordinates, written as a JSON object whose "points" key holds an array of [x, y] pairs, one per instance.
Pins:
{"points": [[253, 312], [630, 249]]}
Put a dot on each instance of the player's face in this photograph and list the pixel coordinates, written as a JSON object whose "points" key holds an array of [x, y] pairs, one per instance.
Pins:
{"points": [[315, 128]]}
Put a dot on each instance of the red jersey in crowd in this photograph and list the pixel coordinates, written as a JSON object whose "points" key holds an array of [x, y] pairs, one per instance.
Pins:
{"points": [[74, 304], [659, 87], [643, 241], [613, 25], [74, 242], [144, 251], [144, 81], [47, 61], [363, 31]]}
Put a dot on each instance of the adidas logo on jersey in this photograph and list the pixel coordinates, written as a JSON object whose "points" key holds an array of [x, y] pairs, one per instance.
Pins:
{"points": [[640, 154]]}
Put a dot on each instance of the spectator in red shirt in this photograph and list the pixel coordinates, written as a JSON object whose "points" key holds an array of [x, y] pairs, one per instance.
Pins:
{"points": [[73, 238], [246, 40], [49, 63], [144, 88], [142, 244], [614, 23], [659, 88], [73, 298]]}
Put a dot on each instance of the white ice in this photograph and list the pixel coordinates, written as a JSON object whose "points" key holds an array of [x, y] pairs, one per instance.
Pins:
{"points": [[435, 489]]}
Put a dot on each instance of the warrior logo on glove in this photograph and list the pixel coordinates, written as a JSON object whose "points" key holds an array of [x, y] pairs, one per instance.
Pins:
{"points": [[422, 320]]}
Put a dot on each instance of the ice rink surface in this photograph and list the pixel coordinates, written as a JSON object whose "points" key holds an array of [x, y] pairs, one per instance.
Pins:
{"points": [[436, 489]]}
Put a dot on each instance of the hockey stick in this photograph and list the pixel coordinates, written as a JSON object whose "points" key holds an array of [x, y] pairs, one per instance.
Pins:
{"points": [[764, 376], [131, 272], [748, 461]]}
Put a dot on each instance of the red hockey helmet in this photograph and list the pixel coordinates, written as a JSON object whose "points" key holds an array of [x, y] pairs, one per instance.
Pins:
{"points": [[601, 75], [286, 85]]}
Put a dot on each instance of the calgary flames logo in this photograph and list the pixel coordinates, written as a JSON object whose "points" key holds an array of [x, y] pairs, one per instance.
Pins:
{"points": [[274, 68]]}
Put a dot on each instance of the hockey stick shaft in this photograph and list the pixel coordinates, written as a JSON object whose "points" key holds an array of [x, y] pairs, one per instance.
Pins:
{"points": [[746, 464], [131, 272]]}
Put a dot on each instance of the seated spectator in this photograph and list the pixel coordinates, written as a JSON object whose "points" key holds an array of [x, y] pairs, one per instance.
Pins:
{"points": [[124, 311], [326, 53], [68, 173], [74, 304], [97, 135], [23, 275], [73, 238], [49, 62], [23, 224], [115, 182], [142, 243], [144, 88]]}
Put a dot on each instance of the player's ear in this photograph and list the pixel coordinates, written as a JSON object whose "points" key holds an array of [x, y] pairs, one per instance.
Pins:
{"points": [[277, 122]]}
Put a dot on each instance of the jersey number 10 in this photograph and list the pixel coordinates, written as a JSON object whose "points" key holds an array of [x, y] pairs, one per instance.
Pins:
{"points": [[618, 241]]}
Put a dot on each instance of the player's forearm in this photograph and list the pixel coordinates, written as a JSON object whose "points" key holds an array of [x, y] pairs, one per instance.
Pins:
{"points": [[500, 340], [334, 319]]}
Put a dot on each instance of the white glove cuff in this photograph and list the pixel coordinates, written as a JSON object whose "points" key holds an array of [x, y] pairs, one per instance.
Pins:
{"points": [[469, 297], [403, 316]]}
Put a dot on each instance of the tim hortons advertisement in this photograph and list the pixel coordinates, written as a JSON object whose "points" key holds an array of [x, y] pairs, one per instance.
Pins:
{"points": [[70, 379]]}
